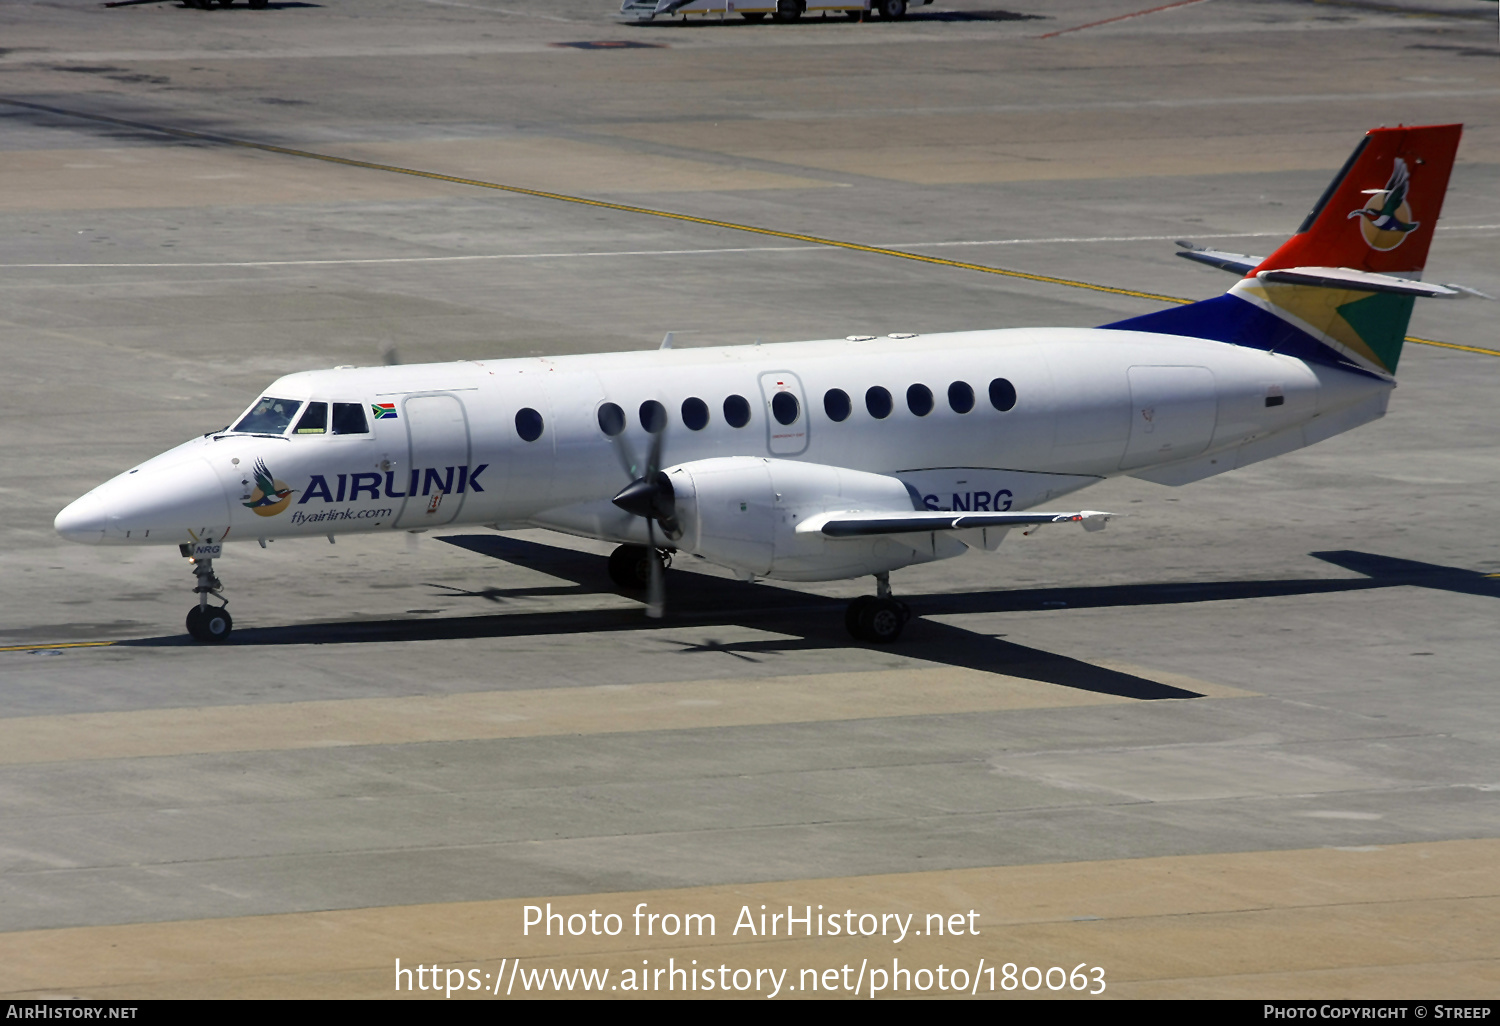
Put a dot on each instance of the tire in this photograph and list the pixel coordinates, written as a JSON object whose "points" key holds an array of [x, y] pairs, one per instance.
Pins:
{"points": [[852, 616], [788, 10], [752, 15], [895, 10], [629, 569], [209, 624], [882, 620]]}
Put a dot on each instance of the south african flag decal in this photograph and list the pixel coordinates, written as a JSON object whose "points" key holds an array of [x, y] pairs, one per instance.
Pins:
{"points": [[384, 411]]}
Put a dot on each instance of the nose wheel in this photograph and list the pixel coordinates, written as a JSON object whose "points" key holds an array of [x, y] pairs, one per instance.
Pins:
{"points": [[206, 622], [879, 617]]}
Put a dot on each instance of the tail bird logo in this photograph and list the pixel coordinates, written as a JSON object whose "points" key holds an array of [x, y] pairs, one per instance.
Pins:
{"points": [[1385, 219], [271, 495]]}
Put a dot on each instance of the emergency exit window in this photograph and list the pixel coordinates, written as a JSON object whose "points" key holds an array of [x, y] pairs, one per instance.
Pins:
{"points": [[349, 419]]}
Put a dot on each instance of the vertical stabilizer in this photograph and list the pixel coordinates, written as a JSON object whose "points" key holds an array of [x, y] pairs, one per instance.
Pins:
{"points": [[1336, 291], [1378, 214]]}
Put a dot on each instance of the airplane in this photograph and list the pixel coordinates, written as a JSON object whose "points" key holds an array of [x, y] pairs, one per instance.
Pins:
{"points": [[822, 460]]}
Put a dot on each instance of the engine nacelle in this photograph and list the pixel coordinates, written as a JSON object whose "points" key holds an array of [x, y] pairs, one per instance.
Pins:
{"points": [[742, 512]]}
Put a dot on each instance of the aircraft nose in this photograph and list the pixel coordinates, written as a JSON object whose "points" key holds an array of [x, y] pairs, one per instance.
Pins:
{"points": [[82, 520]]}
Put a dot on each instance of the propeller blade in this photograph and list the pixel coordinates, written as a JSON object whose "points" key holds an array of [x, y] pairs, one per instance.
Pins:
{"points": [[653, 456], [656, 591], [627, 456]]}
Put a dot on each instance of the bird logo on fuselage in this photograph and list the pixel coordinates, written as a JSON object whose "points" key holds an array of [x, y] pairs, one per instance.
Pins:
{"points": [[271, 494], [1385, 219]]}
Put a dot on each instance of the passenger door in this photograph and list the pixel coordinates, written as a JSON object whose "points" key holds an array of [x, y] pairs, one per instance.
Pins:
{"points": [[438, 431]]}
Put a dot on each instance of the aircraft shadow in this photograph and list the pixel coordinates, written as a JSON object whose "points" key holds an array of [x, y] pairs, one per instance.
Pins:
{"points": [[814, 623]]}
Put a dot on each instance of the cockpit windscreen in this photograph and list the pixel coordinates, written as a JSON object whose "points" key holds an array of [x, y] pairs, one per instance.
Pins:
{"points": [[270, 416]]}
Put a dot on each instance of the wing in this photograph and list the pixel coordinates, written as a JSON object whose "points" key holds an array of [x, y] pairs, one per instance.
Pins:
{"points": [[987, 528]]}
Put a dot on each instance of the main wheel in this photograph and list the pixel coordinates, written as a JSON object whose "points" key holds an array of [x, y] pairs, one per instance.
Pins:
{"points": [[881, 620], [854, 612], [208, 624], [788, 10], [892, 9], [752, 15], [630, 567]]}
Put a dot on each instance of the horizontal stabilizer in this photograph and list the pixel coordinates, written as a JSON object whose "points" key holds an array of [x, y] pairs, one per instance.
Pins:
{"points": [[1239, 263], [1358, 281], [857, 524]]}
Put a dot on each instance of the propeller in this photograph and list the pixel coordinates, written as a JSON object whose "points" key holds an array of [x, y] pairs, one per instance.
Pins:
{"points": [[651, 497]]}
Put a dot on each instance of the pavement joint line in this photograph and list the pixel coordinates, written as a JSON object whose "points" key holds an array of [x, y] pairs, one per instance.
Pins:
{"points": [[1122, 17], [649, 211]]}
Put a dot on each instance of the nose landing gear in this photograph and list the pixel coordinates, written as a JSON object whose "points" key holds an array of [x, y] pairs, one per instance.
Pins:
{"points": [[879, 617], [205, 622]]}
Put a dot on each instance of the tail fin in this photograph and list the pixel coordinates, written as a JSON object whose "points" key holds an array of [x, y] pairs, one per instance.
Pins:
{"points": [[1341, 289]]}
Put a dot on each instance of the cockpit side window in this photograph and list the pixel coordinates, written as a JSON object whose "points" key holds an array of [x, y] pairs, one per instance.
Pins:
{"points": [[349, 419], [314, 420], [270, 416]]}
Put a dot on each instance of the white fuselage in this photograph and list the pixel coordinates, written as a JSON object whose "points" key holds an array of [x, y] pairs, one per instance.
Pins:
{"points": [[1088, 404]]}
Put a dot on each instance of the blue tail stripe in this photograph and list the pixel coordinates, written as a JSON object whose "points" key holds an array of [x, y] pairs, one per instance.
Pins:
{"points": [[1230, 319]]}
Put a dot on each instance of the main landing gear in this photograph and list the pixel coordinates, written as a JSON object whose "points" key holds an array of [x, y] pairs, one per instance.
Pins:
{"points": [[630, 566], [879, 617], [205, 622]]}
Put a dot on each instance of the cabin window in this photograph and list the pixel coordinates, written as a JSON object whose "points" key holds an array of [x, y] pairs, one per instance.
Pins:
{"points": [[270, 416], [611, 419], [919, 400], [1002, 395], [878, 402], [960, 397], [785, 407], [695, 414], [314, 420], [653, 416], [349, 418], [528, 424], [737, 411], [836, 404]]}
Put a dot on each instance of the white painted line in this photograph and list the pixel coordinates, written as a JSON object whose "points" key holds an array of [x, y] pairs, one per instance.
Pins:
{"points": [[450, 259], [500, 10], [1062, 240]]}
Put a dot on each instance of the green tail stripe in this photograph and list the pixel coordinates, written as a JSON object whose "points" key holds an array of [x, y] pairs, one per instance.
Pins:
{"points": [[1381, 321]]}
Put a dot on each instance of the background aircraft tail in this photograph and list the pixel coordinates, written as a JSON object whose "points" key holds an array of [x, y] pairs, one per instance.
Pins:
{"points": [[1341, 289]]}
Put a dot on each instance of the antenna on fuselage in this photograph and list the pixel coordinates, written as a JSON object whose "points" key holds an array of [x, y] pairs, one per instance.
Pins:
{"points": [[390, 357], [666, 343]]}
